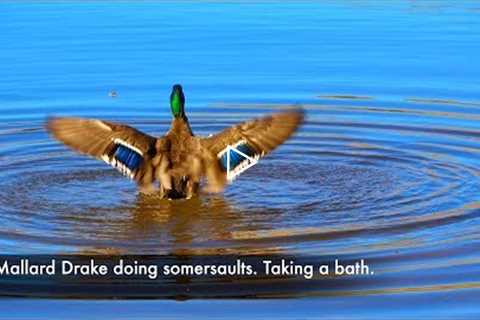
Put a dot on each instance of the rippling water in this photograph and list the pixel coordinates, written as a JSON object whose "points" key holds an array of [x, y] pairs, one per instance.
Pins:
{"points": [[384, 168]]}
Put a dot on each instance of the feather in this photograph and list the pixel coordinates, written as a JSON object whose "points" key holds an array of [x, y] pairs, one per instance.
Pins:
{"points": [[237, 158], [121, 146], [254, 139]]}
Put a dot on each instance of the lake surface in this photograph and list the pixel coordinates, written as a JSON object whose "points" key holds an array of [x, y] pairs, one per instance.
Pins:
{"points": [[384, 168]]}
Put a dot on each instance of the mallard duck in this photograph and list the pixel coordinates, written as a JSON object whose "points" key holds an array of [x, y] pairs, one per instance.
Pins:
{"points": [[179, 159]]}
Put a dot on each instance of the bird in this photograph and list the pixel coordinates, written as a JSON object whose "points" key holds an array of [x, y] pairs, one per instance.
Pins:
{"points": [[175, 165]]}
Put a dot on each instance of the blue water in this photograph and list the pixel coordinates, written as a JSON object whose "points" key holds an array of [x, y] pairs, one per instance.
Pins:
{"points": [[385, 166]]}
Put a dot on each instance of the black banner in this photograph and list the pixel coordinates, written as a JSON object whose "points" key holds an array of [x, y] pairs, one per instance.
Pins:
{"points": [[180, 277]]}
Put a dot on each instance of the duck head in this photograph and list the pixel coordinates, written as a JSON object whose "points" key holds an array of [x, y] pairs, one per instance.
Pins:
{"points": [[177, 101]]}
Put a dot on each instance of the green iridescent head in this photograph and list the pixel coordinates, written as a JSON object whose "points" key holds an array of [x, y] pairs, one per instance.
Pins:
{"points": [[177, 101]]}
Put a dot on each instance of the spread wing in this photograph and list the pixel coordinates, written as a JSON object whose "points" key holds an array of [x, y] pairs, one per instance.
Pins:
{"points": [[121, 146], [254, 139]]}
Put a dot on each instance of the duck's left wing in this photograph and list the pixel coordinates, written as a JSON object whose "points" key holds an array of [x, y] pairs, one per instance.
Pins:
{"points": [[251, 140], [123, 147]]}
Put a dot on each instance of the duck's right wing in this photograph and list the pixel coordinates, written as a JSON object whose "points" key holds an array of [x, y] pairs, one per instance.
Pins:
{"points": [[254, 138]]}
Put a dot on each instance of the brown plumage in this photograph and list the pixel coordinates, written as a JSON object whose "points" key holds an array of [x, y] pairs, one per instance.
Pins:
{"points": [[178, 160]]}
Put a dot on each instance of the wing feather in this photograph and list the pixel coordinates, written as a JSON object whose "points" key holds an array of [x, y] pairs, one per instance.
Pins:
{"points": [[123, 147], [257, 137]]}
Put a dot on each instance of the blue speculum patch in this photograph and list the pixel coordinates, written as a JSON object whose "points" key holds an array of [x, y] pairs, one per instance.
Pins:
{"points": [[235, 157], [128, 157]]}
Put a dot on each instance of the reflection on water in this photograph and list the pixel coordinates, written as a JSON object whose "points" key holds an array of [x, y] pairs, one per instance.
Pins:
{"points": [[184, 222]]}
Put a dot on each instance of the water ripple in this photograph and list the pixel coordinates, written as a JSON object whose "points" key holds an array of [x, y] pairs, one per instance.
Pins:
{"points": [[344, 185]]}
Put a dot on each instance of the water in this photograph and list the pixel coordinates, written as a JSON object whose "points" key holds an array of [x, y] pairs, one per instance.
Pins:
{"points": [[384, 168]]}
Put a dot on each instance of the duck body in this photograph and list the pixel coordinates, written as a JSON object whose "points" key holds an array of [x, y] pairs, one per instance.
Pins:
{"points": [[174, 165], [183, 148]]}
